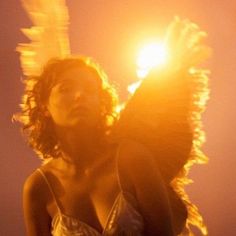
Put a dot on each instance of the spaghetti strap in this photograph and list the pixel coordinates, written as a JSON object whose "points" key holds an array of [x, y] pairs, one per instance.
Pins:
{"points": [[50, 188], [128, 195], [117, 152]]}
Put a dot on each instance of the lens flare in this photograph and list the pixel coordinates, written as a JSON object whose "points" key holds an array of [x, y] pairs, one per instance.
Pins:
{"points": [[150, 56]]}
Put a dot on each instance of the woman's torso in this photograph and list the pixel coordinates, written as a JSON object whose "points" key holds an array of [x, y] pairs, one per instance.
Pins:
{"points": [[96, 205]]}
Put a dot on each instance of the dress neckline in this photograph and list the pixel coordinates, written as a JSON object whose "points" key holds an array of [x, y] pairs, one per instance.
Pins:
{"points": [[63, 215], [127, 196]]}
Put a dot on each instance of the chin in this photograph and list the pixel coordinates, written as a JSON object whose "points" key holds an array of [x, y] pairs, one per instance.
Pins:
{"points": [[81, 123]]}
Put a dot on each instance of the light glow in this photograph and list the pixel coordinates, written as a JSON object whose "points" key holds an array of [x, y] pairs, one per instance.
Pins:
{"points": [[133, 87], [150, 56]]}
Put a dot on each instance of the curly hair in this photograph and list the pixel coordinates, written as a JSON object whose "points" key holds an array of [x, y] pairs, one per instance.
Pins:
{"points": [[37, 126]]}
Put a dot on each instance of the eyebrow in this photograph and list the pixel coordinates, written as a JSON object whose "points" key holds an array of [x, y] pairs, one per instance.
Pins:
{"points": [[70, 83]]}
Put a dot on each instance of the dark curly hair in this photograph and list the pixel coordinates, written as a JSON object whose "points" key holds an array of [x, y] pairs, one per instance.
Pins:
{"points": [[38, 127]]}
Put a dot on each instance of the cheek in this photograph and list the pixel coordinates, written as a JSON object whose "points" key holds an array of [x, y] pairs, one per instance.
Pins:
{"points": [[60, 100], [95, 109], [96, 104], [58, 108]]}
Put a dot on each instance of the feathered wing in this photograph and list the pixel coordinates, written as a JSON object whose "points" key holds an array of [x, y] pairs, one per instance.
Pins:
{"points": [[165, 111], [48, 35]]}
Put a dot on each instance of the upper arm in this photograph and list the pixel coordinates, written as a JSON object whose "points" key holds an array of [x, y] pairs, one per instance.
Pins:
{"points": [[37, 219], [137, 162]]}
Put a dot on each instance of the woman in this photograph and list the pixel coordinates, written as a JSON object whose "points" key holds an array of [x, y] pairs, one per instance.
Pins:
{"points": [[87, 184]]}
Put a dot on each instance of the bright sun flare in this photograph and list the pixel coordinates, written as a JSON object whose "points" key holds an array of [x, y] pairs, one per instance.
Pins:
{"points": [[151, 55]]}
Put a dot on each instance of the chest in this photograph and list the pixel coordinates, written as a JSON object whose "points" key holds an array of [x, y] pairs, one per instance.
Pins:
{"points": [[89, 200]]}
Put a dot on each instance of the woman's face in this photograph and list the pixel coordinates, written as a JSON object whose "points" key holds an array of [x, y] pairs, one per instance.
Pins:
{"points": [[75, 99]]}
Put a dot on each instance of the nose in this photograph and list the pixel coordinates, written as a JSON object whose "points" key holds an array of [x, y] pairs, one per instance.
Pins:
{"points": [[79, 95]]}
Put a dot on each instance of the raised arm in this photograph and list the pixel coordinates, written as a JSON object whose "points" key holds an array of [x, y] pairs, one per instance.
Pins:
{"points": [[37, 219], [136, 163]]}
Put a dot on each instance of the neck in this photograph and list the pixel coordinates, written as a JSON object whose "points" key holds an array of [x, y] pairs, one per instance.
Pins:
{"points": [[80, 146]]}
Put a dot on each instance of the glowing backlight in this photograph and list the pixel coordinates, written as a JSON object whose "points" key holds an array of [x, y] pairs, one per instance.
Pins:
{"points": [[151, 55]]}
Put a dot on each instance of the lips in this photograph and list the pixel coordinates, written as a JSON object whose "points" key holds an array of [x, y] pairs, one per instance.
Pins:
{"points": [[80, 110]]}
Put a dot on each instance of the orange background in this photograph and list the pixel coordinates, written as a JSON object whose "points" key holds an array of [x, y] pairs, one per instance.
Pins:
{"points": [[111, 32]]}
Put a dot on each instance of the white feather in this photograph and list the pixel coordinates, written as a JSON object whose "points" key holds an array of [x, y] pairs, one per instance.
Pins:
{"points": [[48, 35]]}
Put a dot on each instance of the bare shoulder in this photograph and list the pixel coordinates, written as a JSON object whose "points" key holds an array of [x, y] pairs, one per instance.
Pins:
{"points": [[35, 198], [137, 166], [133, 155], [35, 195], [34, 185]]}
